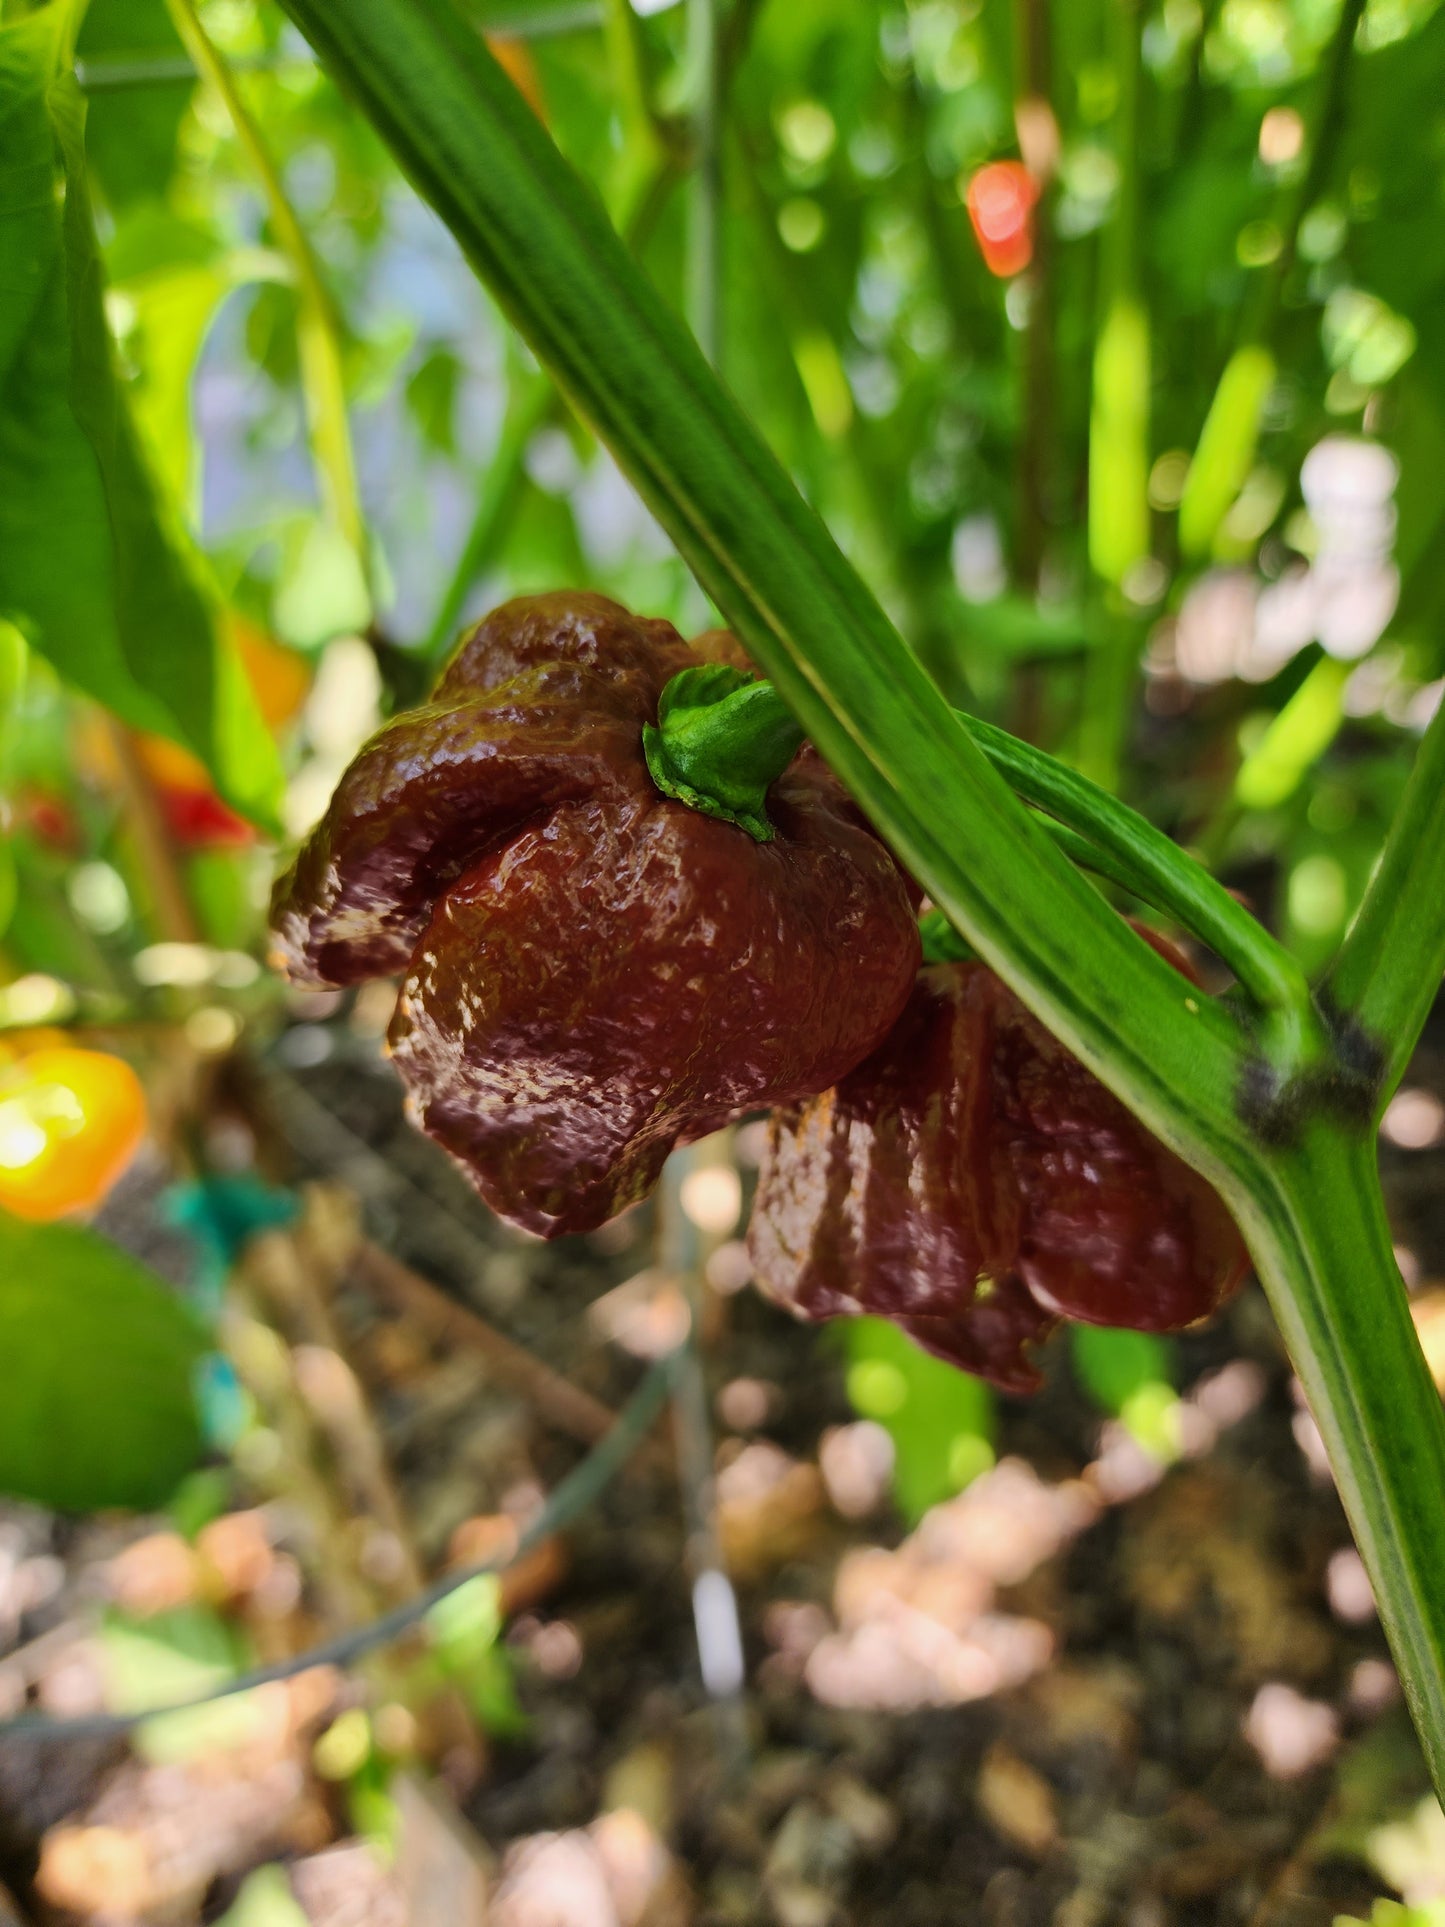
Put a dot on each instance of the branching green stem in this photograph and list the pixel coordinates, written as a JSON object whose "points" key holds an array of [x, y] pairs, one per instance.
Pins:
{"points": [[1156, 869]]}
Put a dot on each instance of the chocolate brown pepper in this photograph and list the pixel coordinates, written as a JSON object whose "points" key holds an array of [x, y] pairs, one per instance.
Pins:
{"points": [[593, 973], [973, 1182]]}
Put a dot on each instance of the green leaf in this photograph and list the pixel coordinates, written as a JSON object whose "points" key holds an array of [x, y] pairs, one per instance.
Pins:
{"points": [[941, 942], [99, 1361], [1296, 739], [171, 1657], [92, 564], [13, 659], [1129, 1374], [266, 1900], [939, 1419], [1114, 1366], [130, 134], [173, 276], [1391, 1913], [431, 395]]}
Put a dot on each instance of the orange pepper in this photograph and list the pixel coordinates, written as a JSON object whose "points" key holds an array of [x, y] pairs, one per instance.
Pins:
{"points": [[70, 1122]]}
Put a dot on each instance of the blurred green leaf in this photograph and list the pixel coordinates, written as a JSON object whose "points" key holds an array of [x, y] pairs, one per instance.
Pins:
{"points": [[1113, 1366], [13, 660], [173, 1656], [1296, 739], [939, 1418], [91, 565], [431, 393], [265, 1900], [130, 136], [1226, 447], [99, 1368], [1119, 443], [168, 277], [466, 1629], [1129, 1374], [322, 592]]}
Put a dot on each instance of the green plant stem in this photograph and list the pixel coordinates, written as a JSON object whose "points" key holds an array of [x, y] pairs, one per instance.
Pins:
{"points": [[1389, 968], [323, 380], [648, 139], [1319, 1239], [1157, 870], [117, 73], [1183, 1064]]}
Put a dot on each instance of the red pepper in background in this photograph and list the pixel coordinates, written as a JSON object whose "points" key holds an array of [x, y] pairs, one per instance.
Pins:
{"points": [[594, 973], [973, 1182], [197, 819], [1000, 202]]}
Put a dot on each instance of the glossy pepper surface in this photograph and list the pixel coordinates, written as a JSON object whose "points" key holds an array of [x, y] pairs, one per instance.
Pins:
{"points": [[975, 1183], [592, 973]]}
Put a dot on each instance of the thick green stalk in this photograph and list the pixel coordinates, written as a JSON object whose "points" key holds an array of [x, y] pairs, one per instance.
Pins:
{"points": [[1316, 1228], [1286, 1161]]}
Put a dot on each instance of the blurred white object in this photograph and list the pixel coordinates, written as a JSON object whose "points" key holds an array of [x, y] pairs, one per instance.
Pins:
{"points": [[1343, 599]]}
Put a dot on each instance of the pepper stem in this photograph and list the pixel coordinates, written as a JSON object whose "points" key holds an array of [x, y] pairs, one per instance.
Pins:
{"points": [[720, 741]]}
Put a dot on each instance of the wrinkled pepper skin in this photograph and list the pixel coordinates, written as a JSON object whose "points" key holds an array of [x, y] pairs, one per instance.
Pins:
{"points": [[973, 1182], [593, 973]]}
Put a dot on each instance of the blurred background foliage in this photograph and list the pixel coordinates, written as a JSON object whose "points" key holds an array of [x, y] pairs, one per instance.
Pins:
{"points": [[1108, 338]]}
